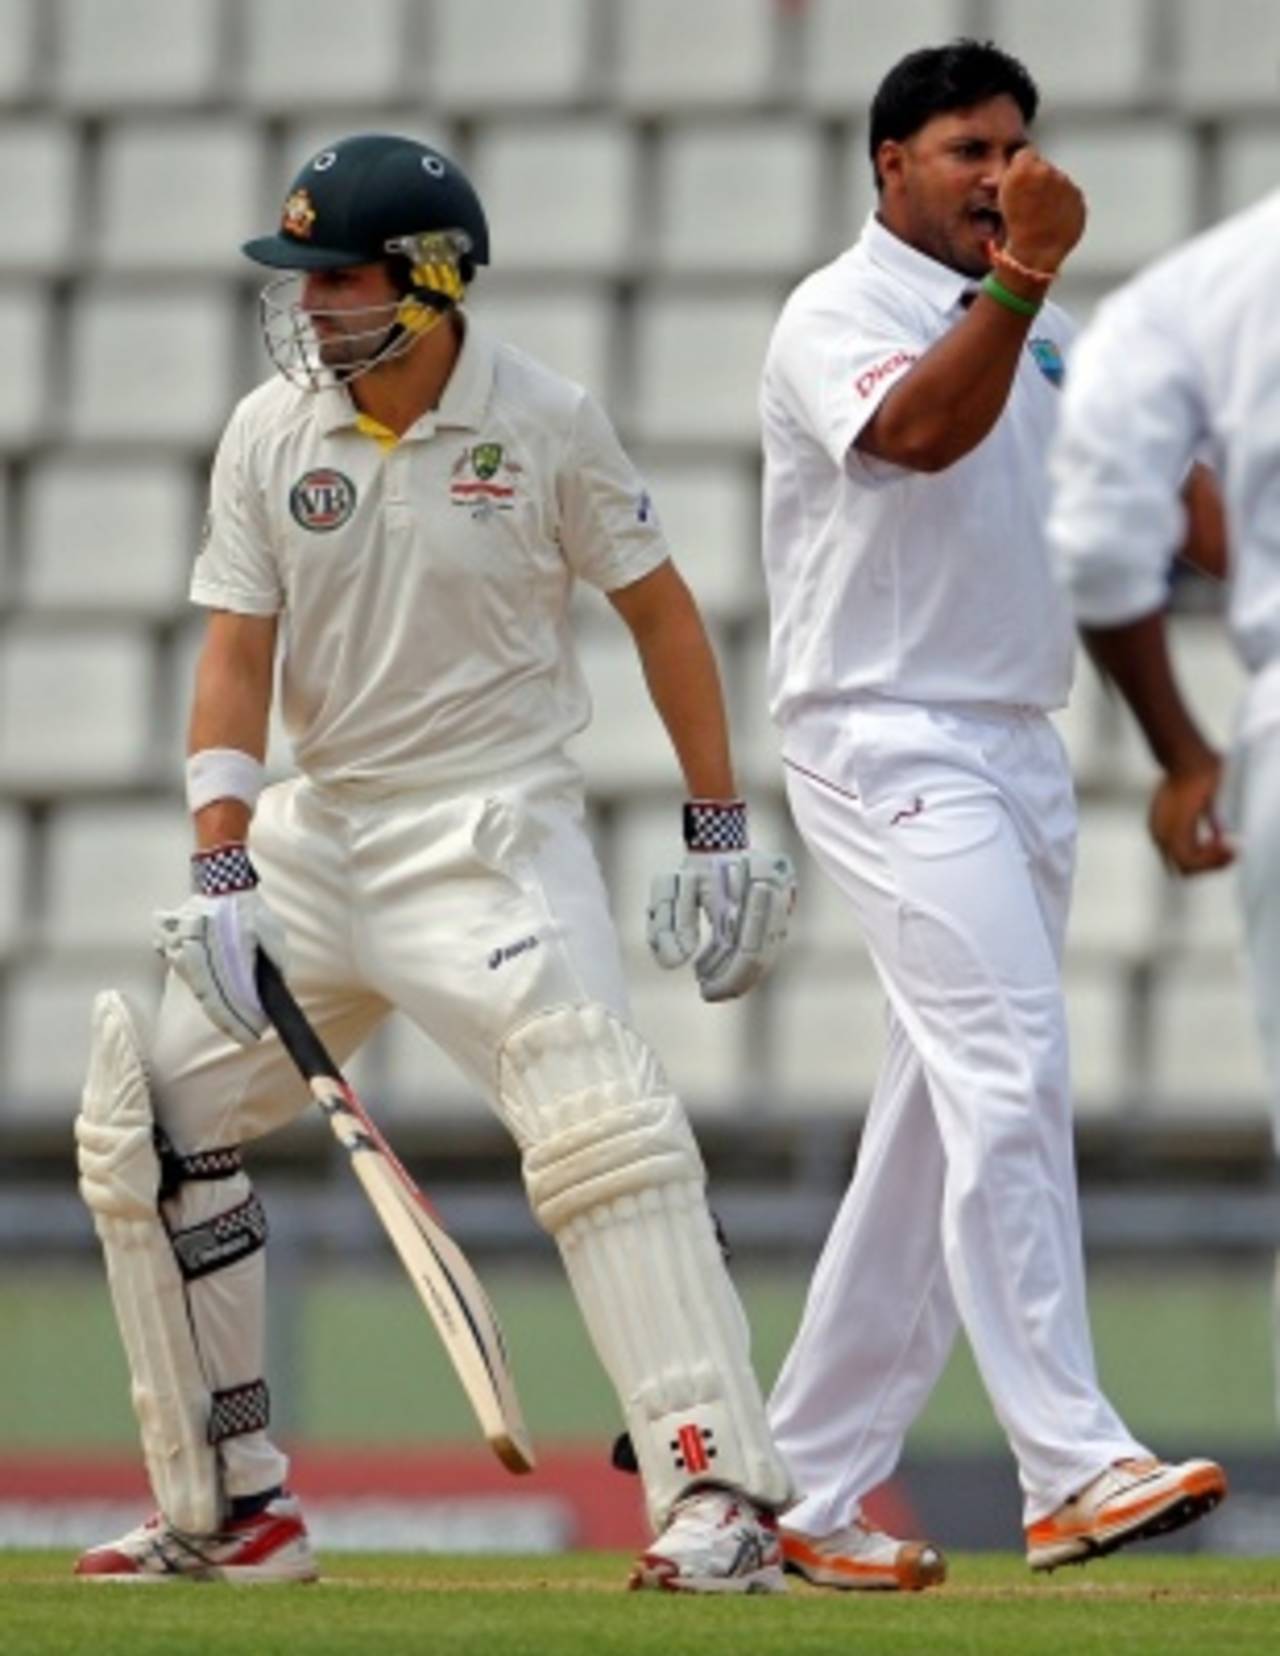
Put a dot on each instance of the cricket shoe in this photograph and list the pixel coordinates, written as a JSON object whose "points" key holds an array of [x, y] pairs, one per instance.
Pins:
{"points": [[716, 1542], [272, 1545], [861, 1556], [1133, 1500]]}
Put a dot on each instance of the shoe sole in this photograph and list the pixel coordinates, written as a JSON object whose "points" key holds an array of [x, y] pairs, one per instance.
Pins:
{"points": [[659, 1575], [922, 1565], [1201, 1492]]}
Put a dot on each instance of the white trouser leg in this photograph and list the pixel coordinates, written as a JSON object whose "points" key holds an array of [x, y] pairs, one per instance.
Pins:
{"points": [[951, 835], [879, 1321]]}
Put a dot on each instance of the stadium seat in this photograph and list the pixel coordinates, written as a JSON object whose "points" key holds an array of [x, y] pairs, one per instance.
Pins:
{"points": [[44, 1028], [717, 54], [132, 53], [1226, 51], [855, 195], [75, 707], [14, 840], [1139, 177], [144, 846], [1102, 58], [102, 535], [625, 746], [698, 358], [570, 330], [850, 48], [560, 195], [26, 338], [40, 225], [19, 55], [740, 196], [702, 1048], [827, 1034], [152, 364], [1121, 889], [399, 1073], [178, 195], [301, 54], [709, 512], [496, 54], [1248, 165], [1206, 1058], [1205, 924], [1100, 1019]]}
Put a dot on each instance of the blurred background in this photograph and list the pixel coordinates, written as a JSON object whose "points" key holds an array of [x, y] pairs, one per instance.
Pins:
{"points": [[657, 175]]}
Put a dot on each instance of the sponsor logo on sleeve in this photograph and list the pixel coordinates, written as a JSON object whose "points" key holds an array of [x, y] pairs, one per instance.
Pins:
{"points": [[322, 499], [1048, 359], [867, 381]]}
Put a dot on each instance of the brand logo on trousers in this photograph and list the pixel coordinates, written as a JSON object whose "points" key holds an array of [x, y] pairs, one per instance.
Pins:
{"points": [[509, 951], [907, 812]]}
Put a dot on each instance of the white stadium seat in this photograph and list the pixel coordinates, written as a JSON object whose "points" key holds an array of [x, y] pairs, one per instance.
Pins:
{"points": [[569, 330], [1206, 1058], [300, 54], [1100, 1020], [129, 53], [849, 48], [399, 1073], [625, 746], [26, 337], [1102, 56], [19, 55], [1138, 177], [702, 1048], [108, 535], [75, 707], [152, 364], [178, 195], [560, 195], [739, 196], [40, 207], [1121, 890], [1249, 165], [698, 360], [44, 1028], [13, 877], [709, 511], [108, 868], [1227, 52], [494, 54], [715, 54], [827, 1027]]}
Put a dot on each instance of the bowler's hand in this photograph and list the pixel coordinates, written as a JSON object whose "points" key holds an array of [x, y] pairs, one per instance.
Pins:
{"points": [[1043, 211], [1184, 824]]}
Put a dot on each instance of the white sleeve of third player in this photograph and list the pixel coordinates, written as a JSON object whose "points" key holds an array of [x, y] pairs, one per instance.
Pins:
{"points": [[1132, 421], [235, 569], [609, 528]]}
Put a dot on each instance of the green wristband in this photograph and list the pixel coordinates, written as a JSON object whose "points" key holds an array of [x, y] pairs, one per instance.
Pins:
{"points": [[995, 289]]}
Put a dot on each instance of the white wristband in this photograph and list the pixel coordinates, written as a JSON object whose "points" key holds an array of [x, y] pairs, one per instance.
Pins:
{"points": [[222, 773]]}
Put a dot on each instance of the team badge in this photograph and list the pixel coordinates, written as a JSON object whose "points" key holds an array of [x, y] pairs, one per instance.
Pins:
{"points": [[486, 458], [322, 499], [484, 479], [299, 215], [1048, 359]]}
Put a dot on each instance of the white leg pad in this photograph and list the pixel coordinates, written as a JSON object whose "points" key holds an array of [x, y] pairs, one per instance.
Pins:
{"points": [[120, 1178], [614, 1174]]}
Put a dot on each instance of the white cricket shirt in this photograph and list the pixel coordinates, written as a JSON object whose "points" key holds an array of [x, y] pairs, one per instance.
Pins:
{"points": [[882, 581], [423, 585], [1182, 361]]}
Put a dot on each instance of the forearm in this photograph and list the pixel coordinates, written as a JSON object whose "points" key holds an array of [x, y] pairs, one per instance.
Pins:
{"points": [[231, 709], [1135, 657]]}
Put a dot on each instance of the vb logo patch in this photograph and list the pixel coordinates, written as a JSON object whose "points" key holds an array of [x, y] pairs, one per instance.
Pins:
{"points": [[484, 479], [1048, 359], [322, 500]]}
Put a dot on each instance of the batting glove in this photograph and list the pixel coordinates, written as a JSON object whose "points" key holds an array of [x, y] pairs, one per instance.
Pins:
{"points": [[745, 897], [212, 940]]}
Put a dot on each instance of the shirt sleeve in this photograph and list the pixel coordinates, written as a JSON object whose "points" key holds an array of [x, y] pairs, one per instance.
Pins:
{"points": [[609, 527], [1133, 419], [235, 569]]}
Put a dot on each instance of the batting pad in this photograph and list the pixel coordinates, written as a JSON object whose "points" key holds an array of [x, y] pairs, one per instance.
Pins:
{"points": [[120, 1183], [613, 1173]]}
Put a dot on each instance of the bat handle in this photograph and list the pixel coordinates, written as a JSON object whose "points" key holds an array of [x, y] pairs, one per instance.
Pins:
{"points": [[300, 1041]]}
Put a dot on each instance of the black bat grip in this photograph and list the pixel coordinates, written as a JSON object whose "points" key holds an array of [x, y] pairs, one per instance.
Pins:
{"points": [[300, 1041]]}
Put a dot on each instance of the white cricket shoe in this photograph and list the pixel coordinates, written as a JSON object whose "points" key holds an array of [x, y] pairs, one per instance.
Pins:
{"points": [[1132, 1500], [715, 1542], [270, 1546], [862, 1556]]}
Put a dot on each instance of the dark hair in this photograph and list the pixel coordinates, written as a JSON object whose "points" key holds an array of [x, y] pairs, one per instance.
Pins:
{"points": [[937, 79]]}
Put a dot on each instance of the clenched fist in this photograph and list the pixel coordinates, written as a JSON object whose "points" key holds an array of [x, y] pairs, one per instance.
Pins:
{"points": [[1043, 211]]}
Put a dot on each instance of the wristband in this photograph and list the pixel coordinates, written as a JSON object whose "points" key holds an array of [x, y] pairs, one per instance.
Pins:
{"points": [[222, 870], [715, 825], [222, 773], [1002, 256], [995, 289]]}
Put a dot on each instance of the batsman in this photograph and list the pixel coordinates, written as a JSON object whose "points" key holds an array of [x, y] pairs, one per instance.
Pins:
{"points": [[396, 524]]}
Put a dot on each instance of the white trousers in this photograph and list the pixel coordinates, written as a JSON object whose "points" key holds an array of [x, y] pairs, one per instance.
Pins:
{"points": [[952, 835]]}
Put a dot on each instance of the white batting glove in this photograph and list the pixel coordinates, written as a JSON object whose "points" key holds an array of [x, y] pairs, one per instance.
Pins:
{"points": [[212, 940], [746, 898]]}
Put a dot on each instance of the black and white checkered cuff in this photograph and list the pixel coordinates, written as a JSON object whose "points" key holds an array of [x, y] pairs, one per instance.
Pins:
{"points": [[222, 870], [715, 825], [239, 1409]]}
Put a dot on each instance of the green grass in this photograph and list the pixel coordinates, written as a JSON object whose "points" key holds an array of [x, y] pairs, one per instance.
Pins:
{"points": [[1184, 1353], [574, 1606]]}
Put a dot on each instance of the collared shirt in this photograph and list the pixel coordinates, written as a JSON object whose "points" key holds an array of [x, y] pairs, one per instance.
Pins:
{"points": [[1181, 362], [423, 585], [883, 581]]}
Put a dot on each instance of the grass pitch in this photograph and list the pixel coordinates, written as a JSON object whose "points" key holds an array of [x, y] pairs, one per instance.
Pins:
{"points": [[574, 1605]]}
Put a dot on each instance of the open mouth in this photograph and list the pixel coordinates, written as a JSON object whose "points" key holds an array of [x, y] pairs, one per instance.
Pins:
{"points": [[988, 223]]}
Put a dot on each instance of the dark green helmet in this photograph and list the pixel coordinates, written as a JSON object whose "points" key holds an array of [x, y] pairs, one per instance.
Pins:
{"points": [[357, 201]]}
